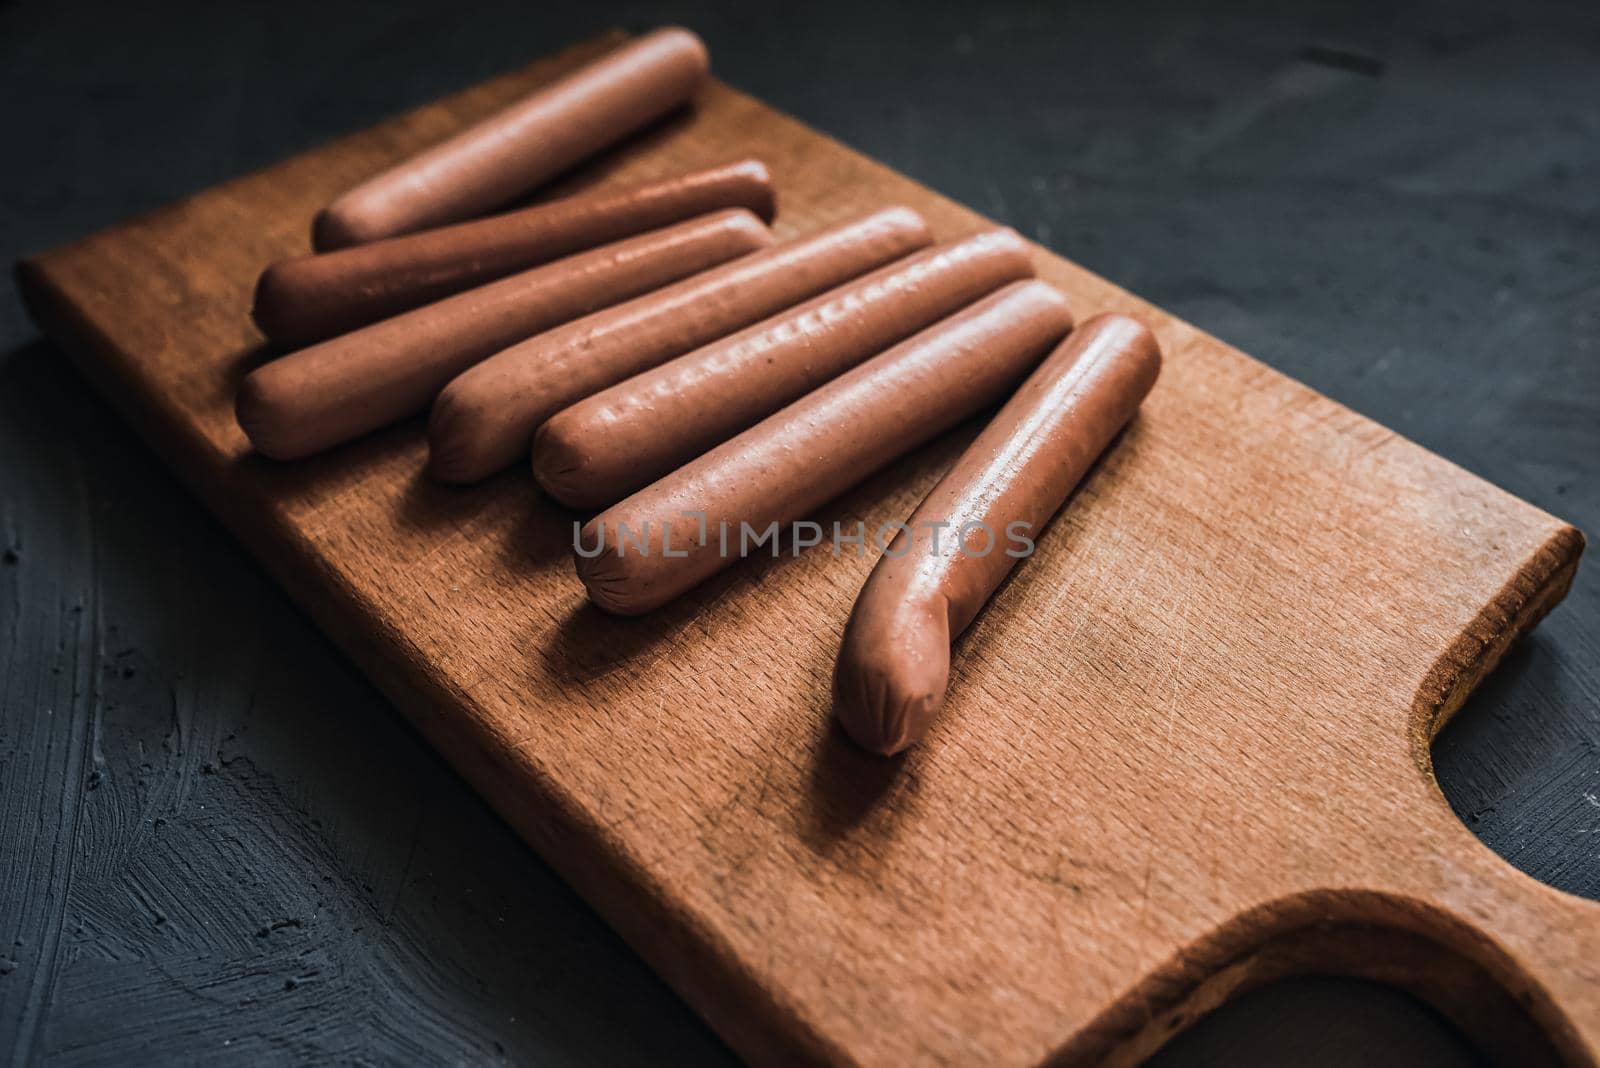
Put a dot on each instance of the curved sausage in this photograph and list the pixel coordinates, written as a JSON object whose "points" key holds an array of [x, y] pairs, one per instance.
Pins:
{"points": [[309, 400], [938, 573], [523, 145], [676, 533], [309, 298], [485, 419], [621, 439]]}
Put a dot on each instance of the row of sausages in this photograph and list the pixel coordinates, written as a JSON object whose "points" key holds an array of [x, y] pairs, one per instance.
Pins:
{"points": [[664, 360]]}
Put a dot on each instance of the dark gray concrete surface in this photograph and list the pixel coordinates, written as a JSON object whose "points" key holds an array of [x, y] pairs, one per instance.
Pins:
{"points": [[218, 843]]}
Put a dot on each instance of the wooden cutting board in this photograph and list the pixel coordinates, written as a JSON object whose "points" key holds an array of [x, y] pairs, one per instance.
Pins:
{"points": [[1186, 747]]}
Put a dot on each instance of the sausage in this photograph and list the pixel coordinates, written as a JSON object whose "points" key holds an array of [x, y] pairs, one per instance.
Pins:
{"points": [[523, 145], [309, 400], [621, 439], [486, 418], [936, 575], [306, 299], [675, 533]]}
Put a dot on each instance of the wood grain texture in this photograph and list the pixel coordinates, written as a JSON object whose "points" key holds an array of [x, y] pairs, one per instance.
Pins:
{"points": [[1185, 749]]}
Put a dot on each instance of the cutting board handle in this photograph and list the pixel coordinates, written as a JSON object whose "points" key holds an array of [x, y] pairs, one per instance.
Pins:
{"points": [[1520, 978]]}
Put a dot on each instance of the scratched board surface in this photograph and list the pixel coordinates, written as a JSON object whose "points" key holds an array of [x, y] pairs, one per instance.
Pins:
{"points": [[1184, 743]]}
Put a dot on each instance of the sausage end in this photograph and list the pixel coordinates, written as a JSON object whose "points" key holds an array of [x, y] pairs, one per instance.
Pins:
{"points": [[271, 308], [907, 221], [562, 469], [265, 419], [763, 193], [689, 42], [889, 682], [456, 426], [743, 223], [336, 227], [607, 576], [1137, 342]]}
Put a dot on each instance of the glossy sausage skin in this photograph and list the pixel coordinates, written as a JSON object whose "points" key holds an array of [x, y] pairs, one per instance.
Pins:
{"points": [[643, 552], [894, 663], [485, 419], [619, 440], [315, 398], [309, 298], [521, 146]]}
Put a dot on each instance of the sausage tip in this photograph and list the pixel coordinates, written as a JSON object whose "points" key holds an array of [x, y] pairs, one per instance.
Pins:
{"points": [[267, 306], [745, 222], [1146, 339], [766, 202], [262, 418], [900, 217], [453, 425], [682, 36], [1134, 337], [605, 577], [333, 229], [561, 467], [886, 703]]}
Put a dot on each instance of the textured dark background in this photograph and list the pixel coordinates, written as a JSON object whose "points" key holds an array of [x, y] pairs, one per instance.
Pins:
{"points": [[216, 841]]}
